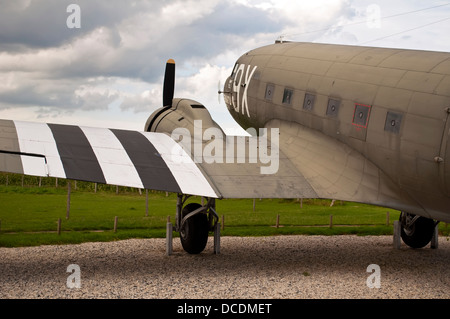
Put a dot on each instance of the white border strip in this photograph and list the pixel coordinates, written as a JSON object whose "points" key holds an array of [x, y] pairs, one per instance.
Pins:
{"points": [[37, 138], [186, 173], [116, 165]]}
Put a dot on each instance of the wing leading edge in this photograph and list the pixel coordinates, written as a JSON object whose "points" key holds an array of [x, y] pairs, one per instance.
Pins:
{"points": [[110, 156]]}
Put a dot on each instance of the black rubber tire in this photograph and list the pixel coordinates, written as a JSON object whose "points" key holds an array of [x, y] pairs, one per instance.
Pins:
{"points": [[420, 233], [194, 234]]}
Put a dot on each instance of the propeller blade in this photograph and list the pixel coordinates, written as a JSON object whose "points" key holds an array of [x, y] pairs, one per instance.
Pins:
{"points": [[169, 83]]}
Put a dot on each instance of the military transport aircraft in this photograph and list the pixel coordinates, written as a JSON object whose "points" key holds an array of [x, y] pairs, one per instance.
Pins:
{"points": [[351, 123]]}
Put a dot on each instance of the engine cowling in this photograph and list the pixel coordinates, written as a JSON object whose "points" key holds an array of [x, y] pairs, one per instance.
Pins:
{"points": [[181, 114]]}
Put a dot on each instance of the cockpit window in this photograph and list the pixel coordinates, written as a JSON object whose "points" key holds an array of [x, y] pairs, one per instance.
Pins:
{"points": [[233, 73]]}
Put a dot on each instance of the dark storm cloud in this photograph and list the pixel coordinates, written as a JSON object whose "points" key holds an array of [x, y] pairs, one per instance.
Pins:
{"points": [[27, 26], [42, 24]]}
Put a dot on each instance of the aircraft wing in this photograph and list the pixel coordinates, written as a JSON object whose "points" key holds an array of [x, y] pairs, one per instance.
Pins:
{"points": [[109, 156], [147, 160], [310, 165], [243, 175]]}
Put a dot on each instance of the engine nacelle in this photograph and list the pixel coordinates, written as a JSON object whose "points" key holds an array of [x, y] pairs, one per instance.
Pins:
{"points": [[181, 114]]}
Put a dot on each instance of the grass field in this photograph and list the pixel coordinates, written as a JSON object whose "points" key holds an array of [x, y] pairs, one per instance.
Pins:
{"points": [[29, 215]]}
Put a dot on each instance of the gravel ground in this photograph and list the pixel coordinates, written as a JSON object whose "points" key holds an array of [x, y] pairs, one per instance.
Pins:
{"points": [[261, 267]]}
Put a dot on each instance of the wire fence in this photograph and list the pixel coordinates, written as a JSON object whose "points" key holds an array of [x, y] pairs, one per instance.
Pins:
{"points": [[20, 180]]}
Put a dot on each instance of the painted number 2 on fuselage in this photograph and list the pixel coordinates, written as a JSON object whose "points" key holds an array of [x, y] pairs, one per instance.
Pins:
{"points": [[243, 75]]}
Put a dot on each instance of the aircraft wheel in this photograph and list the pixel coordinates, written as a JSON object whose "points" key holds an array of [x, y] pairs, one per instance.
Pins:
{"points": [[194, 234], [416, 234]]}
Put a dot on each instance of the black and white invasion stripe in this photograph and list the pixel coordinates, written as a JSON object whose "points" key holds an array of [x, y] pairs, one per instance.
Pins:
{"points": [[118, 157]]}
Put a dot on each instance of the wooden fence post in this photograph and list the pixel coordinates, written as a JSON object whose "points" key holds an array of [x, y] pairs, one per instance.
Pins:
{"points": [[58, 228], [69, 189], [146, 203], [115, 224]]}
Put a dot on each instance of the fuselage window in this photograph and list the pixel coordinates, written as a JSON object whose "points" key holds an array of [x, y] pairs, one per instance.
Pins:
{"points": [[361, 115], [270, 88], [287, 96], [393, 122], [308, 103], [333, 107]]}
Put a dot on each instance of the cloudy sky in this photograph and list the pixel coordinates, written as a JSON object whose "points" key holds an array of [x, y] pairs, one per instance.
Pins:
{"points": [[109, 71]]}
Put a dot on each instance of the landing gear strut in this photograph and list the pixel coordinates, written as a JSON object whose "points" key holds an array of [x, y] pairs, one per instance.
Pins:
{"points": [[416, 231], [194, 222]]}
